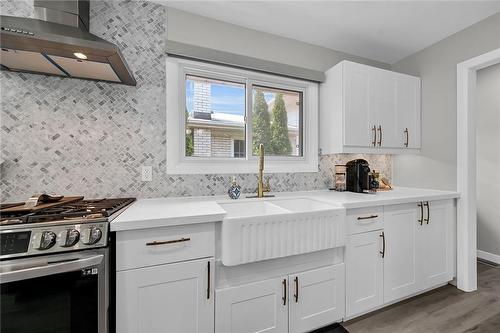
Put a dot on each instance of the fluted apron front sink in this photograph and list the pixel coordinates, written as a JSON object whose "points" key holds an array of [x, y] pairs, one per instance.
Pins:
{"points": [[261, 229]]}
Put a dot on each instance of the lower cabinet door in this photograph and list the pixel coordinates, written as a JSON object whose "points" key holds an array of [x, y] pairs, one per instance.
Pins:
{"points": [[400, 261], [364, 272], [166, 298], [435, 243], [316, 298], [254, 307]]}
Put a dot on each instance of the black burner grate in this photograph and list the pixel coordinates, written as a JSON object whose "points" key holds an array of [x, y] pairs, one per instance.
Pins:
{"points": [[83, 209]]}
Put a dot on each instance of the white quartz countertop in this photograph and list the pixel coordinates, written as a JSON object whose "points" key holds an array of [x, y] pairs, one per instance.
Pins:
{"points": [[162, 212]]}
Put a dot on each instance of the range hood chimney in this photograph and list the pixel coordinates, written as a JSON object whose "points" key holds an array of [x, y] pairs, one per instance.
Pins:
{"points": [[58, 42]]}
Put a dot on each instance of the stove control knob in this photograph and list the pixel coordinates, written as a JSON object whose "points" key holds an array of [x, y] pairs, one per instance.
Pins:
{"points": [[45, 240], [69, 237], [91, 235]]}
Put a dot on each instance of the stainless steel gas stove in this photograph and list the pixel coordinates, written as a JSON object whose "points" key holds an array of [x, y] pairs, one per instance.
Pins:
{"points": [[54, 273], [60, 227]]}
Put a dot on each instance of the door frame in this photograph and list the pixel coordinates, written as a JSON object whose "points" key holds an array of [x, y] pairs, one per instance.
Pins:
{"points": [[466, 168]]}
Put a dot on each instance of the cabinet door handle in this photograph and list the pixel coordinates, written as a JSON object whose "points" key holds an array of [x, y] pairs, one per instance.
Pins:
{"points": [[421, 219], [426, 204], [284, 292], [383, 245], [380, 135], [296, 295], [180, 240], [407, 137], [208, 280], [374, 129], [367, 217]]}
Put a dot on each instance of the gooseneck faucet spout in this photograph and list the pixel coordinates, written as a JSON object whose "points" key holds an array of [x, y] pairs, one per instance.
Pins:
{"points": [[261, 187]]}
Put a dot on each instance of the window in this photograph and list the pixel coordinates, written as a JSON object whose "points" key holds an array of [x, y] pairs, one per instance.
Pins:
{"points": [[215, 116], [276, 121], [224, 114], [239, 148]]}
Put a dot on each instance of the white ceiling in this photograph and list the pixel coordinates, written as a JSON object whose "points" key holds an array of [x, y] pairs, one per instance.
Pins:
{"points": [[386, 31]]}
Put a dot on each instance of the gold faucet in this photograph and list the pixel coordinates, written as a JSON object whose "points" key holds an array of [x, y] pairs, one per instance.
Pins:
{"points": [[261, 187]]}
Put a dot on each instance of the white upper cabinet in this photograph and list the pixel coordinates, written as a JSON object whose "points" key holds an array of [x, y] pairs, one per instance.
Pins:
{"points": [[364, 109]]}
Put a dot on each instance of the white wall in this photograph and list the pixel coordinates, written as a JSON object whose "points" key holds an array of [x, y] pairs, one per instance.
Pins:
{"points": [[488, 159], [435, 167], [206, 32]]}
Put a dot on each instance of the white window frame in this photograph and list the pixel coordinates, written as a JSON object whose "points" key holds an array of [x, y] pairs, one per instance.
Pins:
{"points": [[178, 163]]}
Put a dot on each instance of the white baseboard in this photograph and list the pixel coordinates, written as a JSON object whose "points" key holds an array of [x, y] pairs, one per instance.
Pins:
{"points": [[488, 256]]}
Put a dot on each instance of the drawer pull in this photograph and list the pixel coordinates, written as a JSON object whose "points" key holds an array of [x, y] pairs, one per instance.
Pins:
{"points": [[367, 217], [180, 240]]}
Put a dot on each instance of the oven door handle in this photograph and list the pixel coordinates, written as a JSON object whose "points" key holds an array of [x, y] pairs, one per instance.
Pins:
{"points": [[17, 272]]}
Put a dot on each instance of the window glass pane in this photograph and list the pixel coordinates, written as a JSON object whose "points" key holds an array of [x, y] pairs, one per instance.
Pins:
{"points": [[215, 117], [277, 121], [239, 148]]}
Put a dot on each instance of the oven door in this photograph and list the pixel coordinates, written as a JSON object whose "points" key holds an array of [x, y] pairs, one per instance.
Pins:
{"points": [[59, 293]]}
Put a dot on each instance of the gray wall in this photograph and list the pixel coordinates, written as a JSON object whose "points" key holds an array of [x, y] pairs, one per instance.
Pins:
{"points": [[488, 159], [202, 31], [72, 136], [435, 167]]}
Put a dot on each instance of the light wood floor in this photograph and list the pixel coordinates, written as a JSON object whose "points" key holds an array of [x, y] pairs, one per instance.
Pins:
{"points": [[444, 310]]}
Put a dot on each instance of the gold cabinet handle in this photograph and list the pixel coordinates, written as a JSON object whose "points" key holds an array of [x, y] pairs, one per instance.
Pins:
{"points": [[208, 280], [383, 245], [180, 240], [284, 292], [374, 129], [421, 219], [407, 137], [367, 217], [380, 135], [296, 295], [426, 204]]}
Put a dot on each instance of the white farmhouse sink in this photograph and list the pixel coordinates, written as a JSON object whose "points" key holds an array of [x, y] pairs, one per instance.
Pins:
{"points": [[261, 229]]}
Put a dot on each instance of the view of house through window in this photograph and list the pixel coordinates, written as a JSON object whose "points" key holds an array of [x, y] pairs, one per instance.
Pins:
{"points": [[215, 119]]}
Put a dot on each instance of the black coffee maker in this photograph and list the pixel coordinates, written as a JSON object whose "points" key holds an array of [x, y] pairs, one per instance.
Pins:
{"points": [[358, 176]]}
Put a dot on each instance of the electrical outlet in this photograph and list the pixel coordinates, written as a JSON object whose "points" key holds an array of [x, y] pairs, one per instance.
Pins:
{"points": [[147, 173]]}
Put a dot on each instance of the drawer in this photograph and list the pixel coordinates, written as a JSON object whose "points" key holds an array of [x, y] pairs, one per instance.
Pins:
{"points": [[156, 246], [364, 219]]}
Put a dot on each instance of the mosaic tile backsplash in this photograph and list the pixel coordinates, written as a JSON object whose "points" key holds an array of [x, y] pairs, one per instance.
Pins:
{"points": [[70, 136]]}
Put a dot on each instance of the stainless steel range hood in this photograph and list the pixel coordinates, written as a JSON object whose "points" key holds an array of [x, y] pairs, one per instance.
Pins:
{"points": [[58, 42]]}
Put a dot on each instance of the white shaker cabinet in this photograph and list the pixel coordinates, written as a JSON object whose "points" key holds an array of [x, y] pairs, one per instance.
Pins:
{"points": [[317, 298], [174, 297], [419, 247], [364, 272], [400, 259], [299, 302], [435, 243], [254, 307], [364, 109]]}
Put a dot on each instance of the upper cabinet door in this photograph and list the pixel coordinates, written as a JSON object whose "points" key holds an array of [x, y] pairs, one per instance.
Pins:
{"points": [[317, 298], [383, 104], [400, 260], [358, 117], [407, 112], [166, 298], [254, 307]]}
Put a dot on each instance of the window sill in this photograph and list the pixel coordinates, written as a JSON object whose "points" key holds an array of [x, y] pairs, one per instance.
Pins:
{"points": [[238, 167]]}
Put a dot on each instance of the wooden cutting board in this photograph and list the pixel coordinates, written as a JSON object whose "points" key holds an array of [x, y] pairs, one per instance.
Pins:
{"points": [[19, 208]]}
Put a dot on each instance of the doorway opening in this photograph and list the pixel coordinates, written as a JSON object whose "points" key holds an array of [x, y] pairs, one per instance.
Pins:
{"points": [[467, 167]]}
